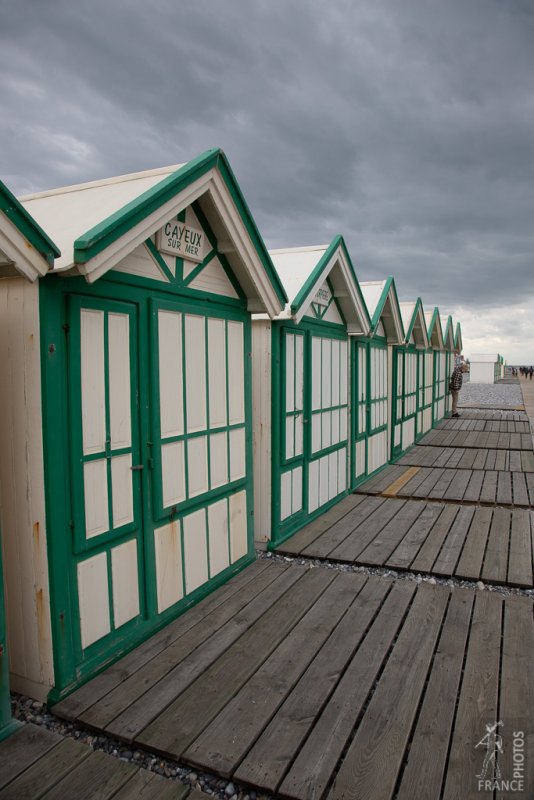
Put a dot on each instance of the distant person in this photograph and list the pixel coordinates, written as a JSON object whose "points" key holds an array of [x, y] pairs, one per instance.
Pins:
{"points": [[531, 370], [455, 384]]}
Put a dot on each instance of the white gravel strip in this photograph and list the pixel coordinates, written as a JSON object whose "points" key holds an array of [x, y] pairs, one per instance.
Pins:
{"points": [[490, 394]]}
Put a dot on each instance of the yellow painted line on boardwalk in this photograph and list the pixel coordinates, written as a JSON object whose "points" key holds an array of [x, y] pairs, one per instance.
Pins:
{"points": [[397, 485]]}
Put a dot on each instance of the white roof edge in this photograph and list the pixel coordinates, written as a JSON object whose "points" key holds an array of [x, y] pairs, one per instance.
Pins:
{"points": [[77, 187], [310, 249]]}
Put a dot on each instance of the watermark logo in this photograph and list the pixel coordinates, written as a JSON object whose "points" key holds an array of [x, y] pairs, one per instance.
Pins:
{"points": [[492, 775]]}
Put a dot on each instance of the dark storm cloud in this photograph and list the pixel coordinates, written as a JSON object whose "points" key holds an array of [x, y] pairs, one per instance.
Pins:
{"points": [[405, 126]]}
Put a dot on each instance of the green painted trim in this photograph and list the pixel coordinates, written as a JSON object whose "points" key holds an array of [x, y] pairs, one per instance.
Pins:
{"points": [[102, 235], [29, 228], [156, 255]]}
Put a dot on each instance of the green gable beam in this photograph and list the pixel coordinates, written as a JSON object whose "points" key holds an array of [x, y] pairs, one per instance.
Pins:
{"points": [[26, 224], [116, 225]]}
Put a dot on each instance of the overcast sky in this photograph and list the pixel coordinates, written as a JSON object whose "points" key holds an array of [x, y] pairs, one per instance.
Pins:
{"points": [[405, 125]]}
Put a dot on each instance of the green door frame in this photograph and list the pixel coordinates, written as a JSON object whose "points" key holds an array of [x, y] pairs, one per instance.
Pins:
{"points": [[282, 530], [357, 435], [71, 665], [402, 351]]}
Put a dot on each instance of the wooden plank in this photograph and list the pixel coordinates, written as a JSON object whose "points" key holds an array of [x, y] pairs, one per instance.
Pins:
{"points": [[519, 489], [225, 741], [452, 546], [529, 477], [496, 559], [478, 699], [145, 785], [224, 623], [458, 485], [91, 692], [395, 487], [489, 487], [297, 543], [480, 459], [425, 487], [44, 773], [434, 541], [500, 460], [470, 563], [407, 550], [349, 549], [22, 749], [425, 768], [504, 488], [490, 460], [98, 776], [270, 758], [517, 688], [312, 769], [520, 557], [384, 478], [412, 485], [468, 459], [440, 488], [138, 713], [180, 724], [527, 461], [339, 532], [378, 551], [375, 756], [474, 487]]}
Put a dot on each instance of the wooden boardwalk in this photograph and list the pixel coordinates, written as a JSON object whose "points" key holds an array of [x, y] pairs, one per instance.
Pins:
{"points": [[37, 763], [312, 683], [481, 486], [494, 545]]}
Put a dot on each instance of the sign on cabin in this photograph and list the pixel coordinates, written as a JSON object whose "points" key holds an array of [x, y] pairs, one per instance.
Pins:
{"points": [[323, 296], [178, 239]]}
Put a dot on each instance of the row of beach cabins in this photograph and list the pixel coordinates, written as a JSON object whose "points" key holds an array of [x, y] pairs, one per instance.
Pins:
{"points": [[172, 392]]}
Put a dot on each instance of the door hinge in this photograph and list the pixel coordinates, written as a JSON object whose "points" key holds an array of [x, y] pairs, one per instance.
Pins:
{"points": [[137, 467], [66, 327]]}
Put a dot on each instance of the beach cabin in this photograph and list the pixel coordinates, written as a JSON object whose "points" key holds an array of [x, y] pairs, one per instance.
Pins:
{"points": [[485, 368], [407, 406], [139, 397], [450, 351], [301, 389], [439, 364], [26, 253], [372, 370]]}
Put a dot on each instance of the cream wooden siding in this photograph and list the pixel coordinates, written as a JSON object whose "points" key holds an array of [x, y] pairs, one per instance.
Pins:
{"points": [[262, 416], [22, 504], [327, 475]]}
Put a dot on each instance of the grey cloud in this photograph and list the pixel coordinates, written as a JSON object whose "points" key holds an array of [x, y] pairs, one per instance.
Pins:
{"points": [[407, 127]]}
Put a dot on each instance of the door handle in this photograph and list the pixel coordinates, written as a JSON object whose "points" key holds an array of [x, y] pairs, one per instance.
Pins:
{"points": [[137, 467]]}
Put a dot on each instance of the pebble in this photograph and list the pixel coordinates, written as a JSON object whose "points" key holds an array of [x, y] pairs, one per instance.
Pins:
{"points": [[230, 790], [480, 585], [490, 394]]}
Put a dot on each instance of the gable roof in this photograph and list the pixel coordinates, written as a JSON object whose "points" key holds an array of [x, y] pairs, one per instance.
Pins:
{"points": [[435, 331], [448, 338], [303, 270], [413, 320], [458, 343], [383, 306], [97, 224], [25, 249]]}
